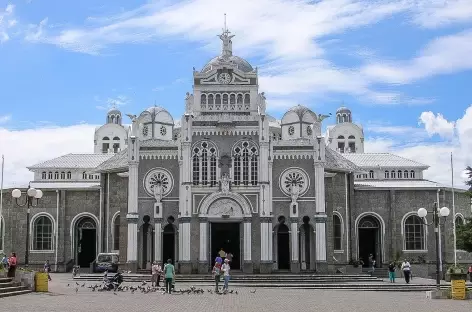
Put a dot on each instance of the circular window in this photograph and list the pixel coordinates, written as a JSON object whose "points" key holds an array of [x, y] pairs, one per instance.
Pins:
{"points": [[163, 130], [293, 176], [158, 176], [145, 131], [309, 130], [291, 130]]}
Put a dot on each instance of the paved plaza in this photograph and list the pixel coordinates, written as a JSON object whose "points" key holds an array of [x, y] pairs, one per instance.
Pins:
{"points": [[63, 298]]}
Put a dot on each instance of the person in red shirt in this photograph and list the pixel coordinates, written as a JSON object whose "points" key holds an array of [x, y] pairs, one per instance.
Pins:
{"points": [[12, 265]]}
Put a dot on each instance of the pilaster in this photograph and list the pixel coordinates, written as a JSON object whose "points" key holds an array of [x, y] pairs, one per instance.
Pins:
{"points": [[320, 230], [132, 252], [158, 239]]}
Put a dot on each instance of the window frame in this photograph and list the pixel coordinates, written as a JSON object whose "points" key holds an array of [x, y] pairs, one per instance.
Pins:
{"points": [[33, 233]]}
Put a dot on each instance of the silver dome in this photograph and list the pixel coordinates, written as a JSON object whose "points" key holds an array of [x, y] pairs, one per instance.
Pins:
{"points": [[240, 63]]}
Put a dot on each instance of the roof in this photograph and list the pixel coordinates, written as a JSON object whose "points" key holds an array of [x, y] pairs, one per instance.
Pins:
{"points": [[118, 162], [383, 160], [65, 185], [400, 184], [241, 63], [336, 161], [73, 161]]}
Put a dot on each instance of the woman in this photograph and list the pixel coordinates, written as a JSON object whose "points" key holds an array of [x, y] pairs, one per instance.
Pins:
{"points": [[406, 268], [12, 265], [226, 269], [216, 275], [391, 272], [169, 272]]}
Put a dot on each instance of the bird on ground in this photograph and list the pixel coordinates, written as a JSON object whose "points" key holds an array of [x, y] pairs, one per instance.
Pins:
{"points": [[76, 290]]}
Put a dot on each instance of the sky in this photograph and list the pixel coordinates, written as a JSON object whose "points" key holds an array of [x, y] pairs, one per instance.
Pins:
{"points": [[403, 67]]}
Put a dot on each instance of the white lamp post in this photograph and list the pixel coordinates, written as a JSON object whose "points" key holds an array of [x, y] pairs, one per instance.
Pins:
{"points": [[31, 195]]}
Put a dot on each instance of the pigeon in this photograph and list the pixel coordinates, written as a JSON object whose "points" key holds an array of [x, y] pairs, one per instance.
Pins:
{"points": [[235, 292], [83, 285], [68, 285], [76, 283], [252, 291], [76, 290]]}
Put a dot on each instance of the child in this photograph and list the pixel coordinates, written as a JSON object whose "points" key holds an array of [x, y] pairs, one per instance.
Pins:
{"points": [[216, 275], [47, 269]]}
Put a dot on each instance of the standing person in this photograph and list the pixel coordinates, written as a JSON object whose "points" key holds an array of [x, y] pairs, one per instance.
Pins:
{"points": [[216, 275], [470, 273], [219, 259], [226, 268], [5, 262], [391, 272], [154, 274], [169, 272], [47, 269], [406, 268], [229, 256], [222, 253], [12, 265]]}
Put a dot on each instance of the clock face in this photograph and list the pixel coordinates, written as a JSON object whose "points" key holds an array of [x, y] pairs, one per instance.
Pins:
{"points": [[224, 78]]}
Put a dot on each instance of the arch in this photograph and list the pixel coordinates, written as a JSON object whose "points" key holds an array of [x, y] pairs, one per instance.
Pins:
{"points": [[225, 98], [42, 230], [340, 137], [387, 174], [211, 99], [239, 99], [371, 174], [306, 240], [414, 232], [392, 174], [115, 231], [399, 174], [203, 99], [56, 175], [43, 175], [351, 137], [84, 175], [283, 246], [106, 138], [338, 231], [412, 174], [50, 175], [63, 175], [169, 240], [405, 174], [245, 155], [146, 243], [116, 138], [69, 175], [232, 98], [380, 235], [73, 227], [459, 216], [247, 98], [218, 99], [204, 163], [210, 199]]}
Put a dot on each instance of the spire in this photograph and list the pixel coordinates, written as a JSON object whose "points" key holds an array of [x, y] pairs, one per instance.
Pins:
{"points": [[227, 46]]}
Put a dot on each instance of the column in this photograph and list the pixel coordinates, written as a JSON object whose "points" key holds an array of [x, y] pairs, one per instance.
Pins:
{"points": [[184, 246], [158, 240], [132, 216], [266, 257], [247, 245], [295, 263], [320, 216], [203, 263]]}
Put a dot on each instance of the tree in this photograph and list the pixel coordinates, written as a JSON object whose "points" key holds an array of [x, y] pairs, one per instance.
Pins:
{"points": [[464, 231]]}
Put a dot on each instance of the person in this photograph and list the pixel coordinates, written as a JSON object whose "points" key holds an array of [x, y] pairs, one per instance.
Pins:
{"points": [[216, 275], [406, 268], [222, 253], [371, 264], [169, 272], [229, 256], [47, 269], [12, 265], [5, 262], [391, 272], [219, 259], [155, 270], [226, 268], [470, 273]]}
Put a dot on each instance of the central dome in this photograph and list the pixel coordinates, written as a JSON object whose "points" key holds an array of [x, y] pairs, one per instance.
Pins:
{"points": [[240, 63]]}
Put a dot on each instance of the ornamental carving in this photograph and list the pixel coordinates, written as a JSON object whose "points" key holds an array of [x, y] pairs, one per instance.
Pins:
{"points": [[158, 183], [294, 182], [225, 207]]}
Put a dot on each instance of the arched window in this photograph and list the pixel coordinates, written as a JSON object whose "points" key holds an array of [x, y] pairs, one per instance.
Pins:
{"points": [[387, 174], [371, 174], [116, 233], [210, 99], [84, 176], [392, 174], [405, 174], [204, 163], [412, 174], [90, 176], [337, 230], [203, 99], [56, 175], [218, 99], [42, 233], [116, 138], [43, 175], [351, 137], [50, 175], [69, 175], [247, 98], [232, 99], [225, 98], [341, 137], [63, 175], [399, 174], [105, 139], [414, 233], [240, 99], [458, 220], [245, 162]]}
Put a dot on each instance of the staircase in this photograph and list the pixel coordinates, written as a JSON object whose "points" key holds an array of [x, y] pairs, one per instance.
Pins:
{"points": [[379, 272], [10, 288]]}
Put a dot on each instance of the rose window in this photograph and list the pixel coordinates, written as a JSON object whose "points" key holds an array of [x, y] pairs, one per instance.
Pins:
{"points": [[155, 177], [294, 176], [291, 130], [163, 130]]}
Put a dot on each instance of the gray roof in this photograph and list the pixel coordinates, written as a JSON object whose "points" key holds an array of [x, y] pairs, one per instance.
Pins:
{"points": [[73, 161], [401, 184], [119, 162], [241, 63], [336, 161], [65, 185], [383, 160]]}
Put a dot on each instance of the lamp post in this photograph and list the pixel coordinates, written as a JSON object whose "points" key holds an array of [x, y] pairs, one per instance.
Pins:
{"points": [[31, 195], [443, 212]]}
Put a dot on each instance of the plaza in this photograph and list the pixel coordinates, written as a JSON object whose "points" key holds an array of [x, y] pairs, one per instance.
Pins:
{"points": [[64, 298]]}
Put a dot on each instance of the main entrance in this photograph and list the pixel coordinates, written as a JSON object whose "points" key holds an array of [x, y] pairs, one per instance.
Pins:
{"points": [[369, 240], [86, 238], [226, 236]]}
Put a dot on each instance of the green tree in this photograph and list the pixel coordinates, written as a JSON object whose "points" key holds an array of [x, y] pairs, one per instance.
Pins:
{"points": [[464, 231]]}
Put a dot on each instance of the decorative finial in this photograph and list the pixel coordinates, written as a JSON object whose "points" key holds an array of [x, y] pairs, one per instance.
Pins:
{"points": [[227, 49]]}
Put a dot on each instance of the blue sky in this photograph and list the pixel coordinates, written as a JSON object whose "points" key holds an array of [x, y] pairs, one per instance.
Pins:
{"points": [[402, 66]]}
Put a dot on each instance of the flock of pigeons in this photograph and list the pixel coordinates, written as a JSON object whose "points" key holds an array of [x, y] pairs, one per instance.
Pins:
{"points": [[146, 289]]}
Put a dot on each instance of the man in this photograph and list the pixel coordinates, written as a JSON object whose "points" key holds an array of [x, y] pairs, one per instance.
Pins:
{"points": [[229, 256], [222, 253], [226, 268], [406, 268], [169, 272]]}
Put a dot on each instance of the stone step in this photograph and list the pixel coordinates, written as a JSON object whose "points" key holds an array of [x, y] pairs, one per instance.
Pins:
{"points": [[10, 284], [12, 289], [15, 293], [4, 280]]}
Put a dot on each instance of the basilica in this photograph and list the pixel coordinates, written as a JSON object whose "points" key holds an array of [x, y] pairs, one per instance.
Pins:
{"points": [[280, 195]]}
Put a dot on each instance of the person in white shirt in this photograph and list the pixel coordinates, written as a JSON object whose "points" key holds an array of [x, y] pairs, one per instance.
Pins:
{"points": [[226, 268], [406, 268]]}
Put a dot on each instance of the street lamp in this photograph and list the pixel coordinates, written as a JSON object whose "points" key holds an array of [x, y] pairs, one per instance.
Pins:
{"points": [[31, 195], [443, 212]]}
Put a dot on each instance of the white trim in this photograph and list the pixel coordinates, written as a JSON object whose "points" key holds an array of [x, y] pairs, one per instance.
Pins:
{"points": [[458, 214], [335, 213], [208, 200], [108, 213], [415, 251], [72, 230], [402, 231], [382, 231], [113, 219], [53, 234]]}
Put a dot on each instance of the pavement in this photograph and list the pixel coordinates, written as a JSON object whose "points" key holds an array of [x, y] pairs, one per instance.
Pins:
{"points": [[65, 298]]}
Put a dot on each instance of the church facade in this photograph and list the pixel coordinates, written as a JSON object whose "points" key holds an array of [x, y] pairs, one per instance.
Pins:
{"points": [[276, 194]]}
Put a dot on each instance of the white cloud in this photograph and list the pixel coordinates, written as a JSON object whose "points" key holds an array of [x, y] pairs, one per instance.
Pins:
{"points": [[119, 101], [24, 148], [7, 21], [5, 119], [437, 124], [436, 13]]}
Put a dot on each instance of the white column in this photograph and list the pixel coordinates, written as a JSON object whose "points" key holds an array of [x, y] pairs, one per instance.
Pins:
{"points": [[203, 241], [264, 242], [320, 217], [294, 236], [132, 251], [181, 241], [157, 242], [185, 241], [320, 241], [132, 216], [247, 241]]}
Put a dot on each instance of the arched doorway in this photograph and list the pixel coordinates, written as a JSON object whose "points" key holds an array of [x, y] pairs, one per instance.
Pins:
{"points": [[283, 246], [369, 239], [306, 245], [86, 238], [146, 243], [168, 241]]}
